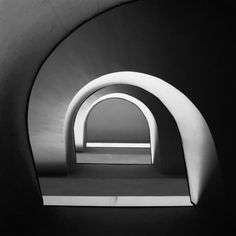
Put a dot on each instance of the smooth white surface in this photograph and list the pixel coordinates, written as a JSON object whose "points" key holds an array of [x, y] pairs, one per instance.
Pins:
{"points": [[198, 145], [117, 201], [119, 145], [86, 108]]}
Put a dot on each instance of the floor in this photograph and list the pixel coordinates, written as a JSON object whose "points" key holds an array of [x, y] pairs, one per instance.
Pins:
{"points": [[115, 177], [115, 180], [109, 155]]}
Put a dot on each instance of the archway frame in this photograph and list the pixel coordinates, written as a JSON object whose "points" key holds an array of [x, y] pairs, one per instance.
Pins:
{"points": [[83, 114], [199, 149]]}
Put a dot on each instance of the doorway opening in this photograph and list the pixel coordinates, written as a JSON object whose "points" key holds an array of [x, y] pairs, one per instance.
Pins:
{"points": [[115, 132]]}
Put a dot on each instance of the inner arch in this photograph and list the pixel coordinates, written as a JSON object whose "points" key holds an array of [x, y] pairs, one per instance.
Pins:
{"points": [[92, 101]]}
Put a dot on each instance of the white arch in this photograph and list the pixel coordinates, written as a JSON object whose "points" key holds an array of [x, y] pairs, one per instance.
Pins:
{"points": [[91, 102], [198, 145]]}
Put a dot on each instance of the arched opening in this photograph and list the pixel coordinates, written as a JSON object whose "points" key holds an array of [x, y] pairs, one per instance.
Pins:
{"points": [[198, 146], [116, 132], [92, 101]]}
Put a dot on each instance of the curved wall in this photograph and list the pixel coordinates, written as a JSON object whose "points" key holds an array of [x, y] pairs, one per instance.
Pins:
{"points": [[29, 32], [86, 64]]}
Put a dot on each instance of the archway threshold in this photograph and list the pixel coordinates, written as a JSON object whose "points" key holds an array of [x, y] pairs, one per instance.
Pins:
{"points": [[118, 201], [118, 145]]}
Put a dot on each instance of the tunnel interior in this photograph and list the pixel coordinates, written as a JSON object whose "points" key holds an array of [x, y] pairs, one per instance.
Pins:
{"points": [[83, 56], [189, 44]]}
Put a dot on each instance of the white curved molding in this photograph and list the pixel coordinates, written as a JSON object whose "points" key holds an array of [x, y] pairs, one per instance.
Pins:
{"points": [[92, 101], [198, 145]]}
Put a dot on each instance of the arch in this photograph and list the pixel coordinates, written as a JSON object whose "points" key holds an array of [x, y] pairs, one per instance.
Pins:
{"points": [[198, 145], [85, 109]]}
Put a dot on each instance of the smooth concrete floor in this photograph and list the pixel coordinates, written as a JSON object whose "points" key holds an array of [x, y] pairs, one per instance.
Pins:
{"points": [[115, 180]]}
